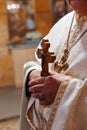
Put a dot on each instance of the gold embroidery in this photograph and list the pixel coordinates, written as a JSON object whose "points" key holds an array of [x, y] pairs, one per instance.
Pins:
{"points": [[84, 18], [57, 102], [43, 120], [62, 65], [29, 117]]}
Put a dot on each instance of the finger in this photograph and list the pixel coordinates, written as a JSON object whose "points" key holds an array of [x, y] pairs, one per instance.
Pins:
{"points": [[36, 81], [36, 88]]}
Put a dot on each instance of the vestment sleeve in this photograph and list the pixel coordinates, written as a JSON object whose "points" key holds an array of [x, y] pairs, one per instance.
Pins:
{"points": [[72, 105]]}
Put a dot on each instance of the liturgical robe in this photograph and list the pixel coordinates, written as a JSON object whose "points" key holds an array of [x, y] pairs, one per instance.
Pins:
{"points": [[69, 110]]}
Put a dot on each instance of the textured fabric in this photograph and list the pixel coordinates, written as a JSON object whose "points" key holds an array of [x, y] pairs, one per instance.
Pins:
{"points": [[71, 112]]}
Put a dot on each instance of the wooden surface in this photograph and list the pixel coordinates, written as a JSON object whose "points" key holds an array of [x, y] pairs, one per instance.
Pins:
{"points": [[43, 15], [6, 68], [11, 65], [46, 57], [20, 57], [42, 5], [2, 6], [43, 22], [4, 34]]}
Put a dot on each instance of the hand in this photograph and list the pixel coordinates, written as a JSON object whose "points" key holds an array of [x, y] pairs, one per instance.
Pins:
{"points": [[45, 88], [34, 74]]}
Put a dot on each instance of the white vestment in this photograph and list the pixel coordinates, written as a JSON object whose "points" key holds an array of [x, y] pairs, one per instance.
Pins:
{"points": [[71, 111]]}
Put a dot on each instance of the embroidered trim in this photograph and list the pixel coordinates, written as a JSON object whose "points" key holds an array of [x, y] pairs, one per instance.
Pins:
{"points": [[29, 115], [57, 102]]}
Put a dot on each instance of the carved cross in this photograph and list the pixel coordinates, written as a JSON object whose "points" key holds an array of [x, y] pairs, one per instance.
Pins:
{"points": [[46, 56]]}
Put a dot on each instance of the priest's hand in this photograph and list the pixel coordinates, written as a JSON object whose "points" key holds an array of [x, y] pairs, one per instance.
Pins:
{"points": [[34, 74], [45, 88]]}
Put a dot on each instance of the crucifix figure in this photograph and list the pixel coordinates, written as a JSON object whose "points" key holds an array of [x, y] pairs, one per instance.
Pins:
{"points": [[46, 56]]}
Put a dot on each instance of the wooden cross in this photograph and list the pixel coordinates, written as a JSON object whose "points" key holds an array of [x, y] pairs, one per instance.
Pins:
{"points": [[46, 56]]}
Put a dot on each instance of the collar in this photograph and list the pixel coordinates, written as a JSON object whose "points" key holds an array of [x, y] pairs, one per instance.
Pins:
{"points": [[83, 18]]}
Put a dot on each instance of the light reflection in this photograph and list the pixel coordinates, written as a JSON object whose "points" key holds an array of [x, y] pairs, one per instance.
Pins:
{"points": [[13, 6]]}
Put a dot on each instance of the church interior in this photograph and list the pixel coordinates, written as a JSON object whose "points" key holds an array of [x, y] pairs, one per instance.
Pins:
{"points": [[22, 25]]}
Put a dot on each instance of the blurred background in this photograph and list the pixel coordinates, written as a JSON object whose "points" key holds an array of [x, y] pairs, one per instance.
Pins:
{"points": [[22, 25]]}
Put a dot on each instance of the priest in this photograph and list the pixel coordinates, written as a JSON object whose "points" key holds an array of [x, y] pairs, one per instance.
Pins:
{"points": [[58, 101]]}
